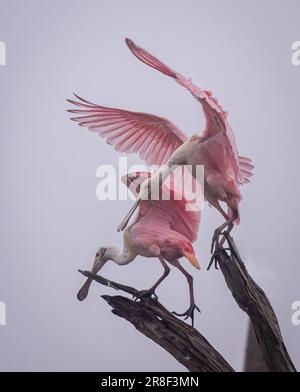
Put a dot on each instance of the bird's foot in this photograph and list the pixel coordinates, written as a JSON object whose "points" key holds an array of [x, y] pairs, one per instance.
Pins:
{"points": [[215, 248], [215, 240], [214, 259], [150, 293], [188, 313], [217, 245]]}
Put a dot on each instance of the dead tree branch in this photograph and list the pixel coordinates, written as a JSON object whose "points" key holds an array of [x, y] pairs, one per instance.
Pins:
{"points": [[251, 299], [181, 340], [254, 361]]}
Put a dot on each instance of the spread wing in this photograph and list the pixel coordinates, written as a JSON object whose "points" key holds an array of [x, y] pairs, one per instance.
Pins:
{"points": [[220, 137], [173, 212], [153, 138]]}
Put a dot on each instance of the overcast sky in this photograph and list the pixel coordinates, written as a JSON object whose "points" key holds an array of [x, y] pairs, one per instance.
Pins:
{"points": [[52, 222]]}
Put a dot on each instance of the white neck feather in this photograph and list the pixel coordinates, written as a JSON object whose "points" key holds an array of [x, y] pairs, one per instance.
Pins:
{"points": [[120, 257]]}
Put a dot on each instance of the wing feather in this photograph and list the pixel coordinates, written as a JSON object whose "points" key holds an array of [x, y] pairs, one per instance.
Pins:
{"points": [[218, 132], [130, 132], [177, 216]]}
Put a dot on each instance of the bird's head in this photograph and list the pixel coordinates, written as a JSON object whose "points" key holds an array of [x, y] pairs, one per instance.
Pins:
{"points": [[101, 257]]}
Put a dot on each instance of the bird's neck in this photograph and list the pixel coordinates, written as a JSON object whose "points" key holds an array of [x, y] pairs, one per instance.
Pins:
{"points": [[120, 257]]}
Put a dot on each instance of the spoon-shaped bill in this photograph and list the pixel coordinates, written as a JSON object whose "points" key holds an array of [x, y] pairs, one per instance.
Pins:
{"points": [[83, 292]]}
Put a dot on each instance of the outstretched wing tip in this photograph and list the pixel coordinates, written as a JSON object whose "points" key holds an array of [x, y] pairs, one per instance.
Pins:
{"points": [[153, 138], [129, 42], [149, 59]]}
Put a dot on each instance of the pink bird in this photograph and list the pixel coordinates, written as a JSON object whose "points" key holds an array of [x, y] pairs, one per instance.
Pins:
{"points": [[158, 141], [162, 229]]}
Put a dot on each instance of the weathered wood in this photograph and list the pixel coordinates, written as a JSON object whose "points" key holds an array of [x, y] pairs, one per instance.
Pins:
{"points": [[254, 361], [181, 340], [252, 299]]}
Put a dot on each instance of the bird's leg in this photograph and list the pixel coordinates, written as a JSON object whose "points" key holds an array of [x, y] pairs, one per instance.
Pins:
{"points": [[151, 292], [127, 218], [190, 311], [216, 244], [226, 234], [215, 239], [218, 231]]}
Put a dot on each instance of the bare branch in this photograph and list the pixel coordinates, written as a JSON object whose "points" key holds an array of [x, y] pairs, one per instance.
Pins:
{"points": [[251, 299], [184, 342], [181, 340], [254, 361]]}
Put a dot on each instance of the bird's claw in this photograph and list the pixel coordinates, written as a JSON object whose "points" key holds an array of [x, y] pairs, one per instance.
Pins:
{"points": [[214, 259], [145, 294], [215, 249], [215, 243], [189, 313], [215, 240]]}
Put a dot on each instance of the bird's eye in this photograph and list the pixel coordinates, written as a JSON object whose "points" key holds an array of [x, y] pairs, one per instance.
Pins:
{"points": [[97, 254]]}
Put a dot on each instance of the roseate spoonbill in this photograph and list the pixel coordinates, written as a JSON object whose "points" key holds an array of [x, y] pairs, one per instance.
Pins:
{"points": [[215, 148], [162, 229], [158, 141]]}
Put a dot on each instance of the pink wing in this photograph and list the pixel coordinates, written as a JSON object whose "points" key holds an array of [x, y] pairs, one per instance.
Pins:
{"points": [[153, 138], [220, 136], [171, 212]]}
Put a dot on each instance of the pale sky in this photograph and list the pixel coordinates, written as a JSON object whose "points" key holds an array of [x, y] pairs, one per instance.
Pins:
{"points": [[52, 222]]}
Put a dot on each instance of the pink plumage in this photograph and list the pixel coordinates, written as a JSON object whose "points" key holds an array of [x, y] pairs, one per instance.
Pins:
{"points": [[153, 138], [162, 229], [168, 211], [215, 148], [159, 141], [217, 128]]}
